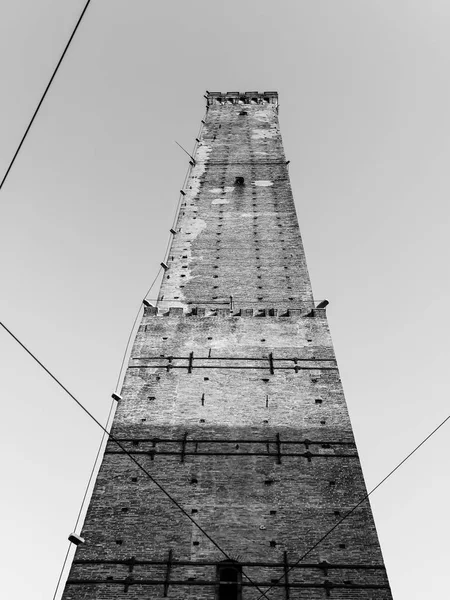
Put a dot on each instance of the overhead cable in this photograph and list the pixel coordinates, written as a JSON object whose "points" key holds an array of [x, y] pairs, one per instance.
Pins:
{"points": [[88, 485], [351, 511], [44, 94], [166, 255], [130, 337], [125, 451]]}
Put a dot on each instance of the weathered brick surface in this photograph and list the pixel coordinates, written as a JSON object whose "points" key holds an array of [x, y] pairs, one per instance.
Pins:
{"points": [[238, 240], [236, 410]]}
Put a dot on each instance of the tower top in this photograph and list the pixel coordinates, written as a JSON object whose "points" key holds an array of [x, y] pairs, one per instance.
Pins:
{"points": [[241, 98]]}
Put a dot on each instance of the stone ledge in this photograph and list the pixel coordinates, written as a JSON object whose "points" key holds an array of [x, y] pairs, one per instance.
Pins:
{"points": [[177, 311]]}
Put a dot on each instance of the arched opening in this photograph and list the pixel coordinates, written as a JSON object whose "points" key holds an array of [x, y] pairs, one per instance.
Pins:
{"points": [[229, 575]]}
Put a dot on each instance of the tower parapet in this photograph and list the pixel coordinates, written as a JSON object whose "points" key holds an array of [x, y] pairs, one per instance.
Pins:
{"points": [[241, 98]]}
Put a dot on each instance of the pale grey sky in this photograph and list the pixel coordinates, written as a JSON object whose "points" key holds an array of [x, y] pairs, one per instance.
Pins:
{"points": [[84, 218]]}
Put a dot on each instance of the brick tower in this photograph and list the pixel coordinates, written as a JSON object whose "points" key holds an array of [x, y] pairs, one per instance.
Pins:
{"points": [[232, 401]]}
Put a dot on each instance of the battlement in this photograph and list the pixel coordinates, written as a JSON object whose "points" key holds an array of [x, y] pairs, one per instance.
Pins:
{"points": [[241, 98]]}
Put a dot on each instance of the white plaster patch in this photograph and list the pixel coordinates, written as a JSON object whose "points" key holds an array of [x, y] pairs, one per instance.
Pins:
{"points": [[259, 214], [220, 201], [193, 226], [196, 226], [263, 183], [264, 134], [221, 190], [201, 156], [202, 153], [261, 115]]}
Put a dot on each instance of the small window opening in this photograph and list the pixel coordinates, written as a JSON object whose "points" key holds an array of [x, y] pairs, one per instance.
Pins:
{"points": [[318, 401], [273, 512], [134, 479], [229, 577], [243, 113], [239, 181], [273, 544]]}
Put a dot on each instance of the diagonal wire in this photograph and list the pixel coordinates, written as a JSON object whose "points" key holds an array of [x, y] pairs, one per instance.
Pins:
{"points": [[105, 433], [44, 94], [166, 255], [132, 330], [62, 570], [177, 209], [125, 451], [88, 485], [363, 499]]}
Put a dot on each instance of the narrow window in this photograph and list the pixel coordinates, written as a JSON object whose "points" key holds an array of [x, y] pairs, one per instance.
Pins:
{"points": [[229, 575]]}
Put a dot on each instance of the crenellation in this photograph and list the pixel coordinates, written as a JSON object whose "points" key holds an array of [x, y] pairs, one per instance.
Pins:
{"points": [[240, 98]]}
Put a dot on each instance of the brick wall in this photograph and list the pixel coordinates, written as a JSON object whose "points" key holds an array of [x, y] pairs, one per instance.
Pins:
{"points": [[236, 409], [238, 237]]}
